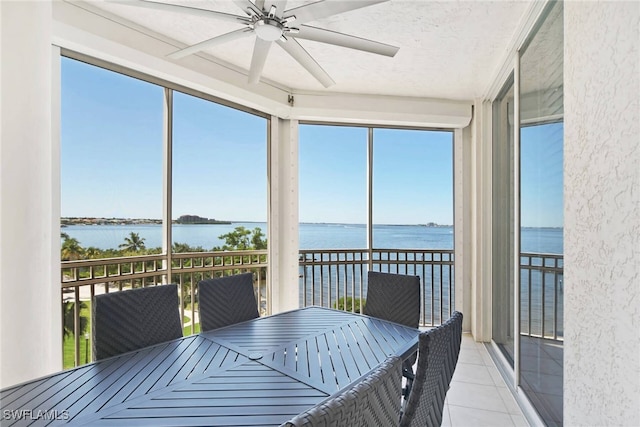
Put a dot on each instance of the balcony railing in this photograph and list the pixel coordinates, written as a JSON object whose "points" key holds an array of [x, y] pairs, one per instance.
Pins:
{"points": [[82, 280], [331, 278], [541, 295], [337, 278]]}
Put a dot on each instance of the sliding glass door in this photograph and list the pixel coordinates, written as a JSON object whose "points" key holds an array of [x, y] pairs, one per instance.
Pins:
{"points": [[541, 217], [527, 293]]}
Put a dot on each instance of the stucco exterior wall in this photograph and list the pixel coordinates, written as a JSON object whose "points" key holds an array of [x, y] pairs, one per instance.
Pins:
{"points": [[602, 214]]}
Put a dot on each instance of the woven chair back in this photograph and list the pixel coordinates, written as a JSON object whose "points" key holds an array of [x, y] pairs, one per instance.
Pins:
{"points": [[129, 320], [372, 402], [393, 297], [438, 351], [227, 300]]}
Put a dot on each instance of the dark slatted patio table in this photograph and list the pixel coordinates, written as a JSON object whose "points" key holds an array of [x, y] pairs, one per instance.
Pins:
{"points": [[261, 372]]}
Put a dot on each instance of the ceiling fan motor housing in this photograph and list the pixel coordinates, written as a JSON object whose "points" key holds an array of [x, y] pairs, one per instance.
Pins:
{"points": [[268, 29]]}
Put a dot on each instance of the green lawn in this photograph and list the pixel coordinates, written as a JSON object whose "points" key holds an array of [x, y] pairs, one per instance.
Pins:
{"points": [[187, 329], [85, 345]]}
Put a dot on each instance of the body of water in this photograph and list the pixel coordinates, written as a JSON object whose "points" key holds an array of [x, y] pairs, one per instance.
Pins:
{"points": [[312, 236]]}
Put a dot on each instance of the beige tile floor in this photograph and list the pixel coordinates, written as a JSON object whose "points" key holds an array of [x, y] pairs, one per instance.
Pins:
{"points": [[478, 395]]}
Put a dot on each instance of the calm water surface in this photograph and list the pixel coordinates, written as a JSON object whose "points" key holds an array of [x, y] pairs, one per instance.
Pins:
{"points": [[312, 236]]}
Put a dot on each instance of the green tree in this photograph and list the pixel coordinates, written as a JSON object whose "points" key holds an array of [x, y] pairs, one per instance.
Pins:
{"points": [[92, 252], [258, 239], [185, 247], [181, 247], [349, 304], [238, 239], [70, 249], [241, 239], [133, 243]]}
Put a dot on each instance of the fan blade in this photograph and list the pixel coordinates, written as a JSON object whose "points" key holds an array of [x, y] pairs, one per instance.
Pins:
{"points": [[340, 39], [324, 9], [279, 4], [260, 51], [233, 35], [184, 9], [261, 5], [298, 53], [245, 5]]}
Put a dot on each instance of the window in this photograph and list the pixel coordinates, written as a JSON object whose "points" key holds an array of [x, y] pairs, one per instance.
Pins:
{"points": [[219, 173], [412, 189], [111, 161], [134, 150], [332, 187], [375, 199]]}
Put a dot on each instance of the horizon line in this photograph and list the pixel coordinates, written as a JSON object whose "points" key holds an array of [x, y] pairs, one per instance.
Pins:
{"points": [[304, 222]]}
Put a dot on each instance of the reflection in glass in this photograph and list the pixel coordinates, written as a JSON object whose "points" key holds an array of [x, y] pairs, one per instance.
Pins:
{"points": [[541, 208]]}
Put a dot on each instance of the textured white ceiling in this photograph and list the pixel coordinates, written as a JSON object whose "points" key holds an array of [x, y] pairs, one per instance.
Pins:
{"points": [[448, 49]]}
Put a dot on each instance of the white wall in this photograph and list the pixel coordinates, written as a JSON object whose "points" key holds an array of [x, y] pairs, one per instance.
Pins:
{"points": [[602, 214], [29, 206]]}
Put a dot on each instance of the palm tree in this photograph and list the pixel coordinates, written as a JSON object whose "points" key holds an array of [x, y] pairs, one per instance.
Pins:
{"points": [[181, 247], [71, 249], [92, 252], [133, 243]]}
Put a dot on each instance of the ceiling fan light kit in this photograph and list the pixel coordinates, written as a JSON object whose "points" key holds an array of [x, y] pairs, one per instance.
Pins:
{"points": [[268, 29], [268, 25]]}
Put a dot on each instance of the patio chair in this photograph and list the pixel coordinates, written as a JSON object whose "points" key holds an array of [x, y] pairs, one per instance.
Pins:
{"points": [[393, 297], [374, 401], [133, 319], [226, 301], [396, 298], [438, 352]]}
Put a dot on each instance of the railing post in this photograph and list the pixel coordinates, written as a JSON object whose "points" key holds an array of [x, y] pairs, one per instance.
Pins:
{"points": [[76, 325]]}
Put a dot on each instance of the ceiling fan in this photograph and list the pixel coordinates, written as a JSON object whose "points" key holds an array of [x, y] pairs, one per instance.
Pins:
{"points": [[270, 22]]}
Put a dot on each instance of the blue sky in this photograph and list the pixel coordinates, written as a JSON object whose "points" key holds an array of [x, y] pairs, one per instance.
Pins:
{"points": [[112, 161], [541, 175], [412, 175]]}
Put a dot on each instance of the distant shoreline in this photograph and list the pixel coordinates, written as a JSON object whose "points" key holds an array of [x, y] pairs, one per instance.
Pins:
{"points": [[65, 221]]}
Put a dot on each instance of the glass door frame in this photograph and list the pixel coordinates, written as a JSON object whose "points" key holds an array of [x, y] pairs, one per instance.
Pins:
{"points": [[512, 73]]}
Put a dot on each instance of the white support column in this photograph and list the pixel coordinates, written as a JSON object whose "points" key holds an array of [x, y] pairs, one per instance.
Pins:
{"points": [[30, 295], [480, 200], [283, 214], [167, 184], [463, 225]]}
